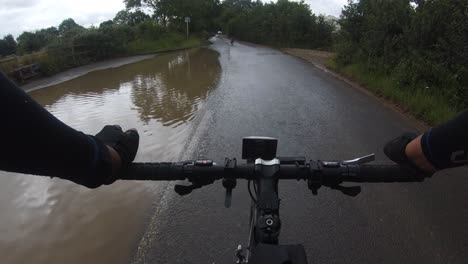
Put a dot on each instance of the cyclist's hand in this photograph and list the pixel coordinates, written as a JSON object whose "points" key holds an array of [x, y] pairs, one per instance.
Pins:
{"points": [[123, 147], [406, 150]]}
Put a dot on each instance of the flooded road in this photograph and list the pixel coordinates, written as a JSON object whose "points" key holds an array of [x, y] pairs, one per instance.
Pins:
{"points": [[200, 104], [53, 221]]}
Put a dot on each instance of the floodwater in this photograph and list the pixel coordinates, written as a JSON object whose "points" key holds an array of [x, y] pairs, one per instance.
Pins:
{"points": [[46, 220]]}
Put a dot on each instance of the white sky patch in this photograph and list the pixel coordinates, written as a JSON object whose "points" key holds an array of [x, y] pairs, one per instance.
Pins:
{"points": [[17, 16], [327, 7]]}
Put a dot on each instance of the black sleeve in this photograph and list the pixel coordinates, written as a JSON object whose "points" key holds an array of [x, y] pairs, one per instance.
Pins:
{"points": [[33, 141], [446, 146]]}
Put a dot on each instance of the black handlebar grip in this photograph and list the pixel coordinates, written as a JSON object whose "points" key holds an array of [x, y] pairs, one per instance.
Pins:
{"points": [[163, 171], [384, 173]]}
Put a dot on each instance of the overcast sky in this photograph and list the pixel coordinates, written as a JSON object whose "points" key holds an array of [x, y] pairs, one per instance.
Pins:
{"points": [[17, 16]]}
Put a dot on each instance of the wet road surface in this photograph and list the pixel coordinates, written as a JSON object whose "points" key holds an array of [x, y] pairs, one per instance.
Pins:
{"points": [[264, 92]]}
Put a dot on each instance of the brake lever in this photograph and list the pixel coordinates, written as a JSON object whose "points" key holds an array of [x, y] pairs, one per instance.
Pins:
{"points": [[229, 185], [352, 191], [185, 189], [360, 160], [333, 169], [228, 198]]}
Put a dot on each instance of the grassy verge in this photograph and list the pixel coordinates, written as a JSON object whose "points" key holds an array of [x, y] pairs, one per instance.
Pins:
{"points": [[168, 42], [430, 107]]}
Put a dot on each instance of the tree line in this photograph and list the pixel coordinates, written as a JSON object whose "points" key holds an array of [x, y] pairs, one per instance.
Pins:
{"points": [[422, 44], [283, 23]]}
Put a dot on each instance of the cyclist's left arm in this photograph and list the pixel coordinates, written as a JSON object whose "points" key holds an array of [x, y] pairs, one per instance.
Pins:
{"points": [[36, 142]]}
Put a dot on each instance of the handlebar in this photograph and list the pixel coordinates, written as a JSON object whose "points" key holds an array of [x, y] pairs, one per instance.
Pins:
{"points": [[316, 171]]}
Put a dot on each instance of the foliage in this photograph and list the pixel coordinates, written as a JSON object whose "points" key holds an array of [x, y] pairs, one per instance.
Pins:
{"points": [[7, 45], [284, 23], [77, 45], [68, 25], [172, 13], [149, 30], [131, 18], [168, 41], [86, 46], [421, 44], [428, 106], [107, 23], [34, 41]]}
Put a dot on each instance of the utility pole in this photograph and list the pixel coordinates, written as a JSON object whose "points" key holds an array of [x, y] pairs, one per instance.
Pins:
{"points": [[187, 20]]}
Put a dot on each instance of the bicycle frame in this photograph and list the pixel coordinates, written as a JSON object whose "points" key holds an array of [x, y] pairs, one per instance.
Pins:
{"points": [[265, 223]]}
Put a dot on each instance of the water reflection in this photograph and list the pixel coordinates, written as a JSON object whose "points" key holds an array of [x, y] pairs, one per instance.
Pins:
{"points": [[167, 88], [171, 94]]}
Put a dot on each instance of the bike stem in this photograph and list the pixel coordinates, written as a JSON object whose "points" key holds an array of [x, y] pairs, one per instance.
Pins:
{"points": [[268, 223]]}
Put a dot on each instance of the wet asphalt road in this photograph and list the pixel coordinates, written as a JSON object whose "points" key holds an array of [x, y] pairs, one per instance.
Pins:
{"points": [[264, 92]]}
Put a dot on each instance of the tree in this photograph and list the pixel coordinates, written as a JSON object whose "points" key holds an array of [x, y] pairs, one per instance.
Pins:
{"points": [[420, 43], [282, 23], [30, 42], [34, 41], [374, 30], [438, 55], [161, 8], [131, 18], [7, 45], [173, 12], [68, 25], [107, 23]]}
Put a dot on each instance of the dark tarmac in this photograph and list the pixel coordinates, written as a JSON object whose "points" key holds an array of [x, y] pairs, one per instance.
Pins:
{"points": [[265, 92]]}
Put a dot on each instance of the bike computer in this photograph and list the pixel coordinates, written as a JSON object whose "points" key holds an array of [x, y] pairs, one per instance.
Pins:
{"points": [[259, 148]]}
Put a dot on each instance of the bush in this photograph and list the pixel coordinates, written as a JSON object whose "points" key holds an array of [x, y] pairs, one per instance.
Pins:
{"points": [[149, 30], [98, 44], [423, 47], [50, 65]]}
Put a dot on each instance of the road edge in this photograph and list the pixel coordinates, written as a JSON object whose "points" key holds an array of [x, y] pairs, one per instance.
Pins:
{"points": [[420, 125]]}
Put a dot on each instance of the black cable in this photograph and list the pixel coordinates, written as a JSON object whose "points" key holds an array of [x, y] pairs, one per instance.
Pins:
{"points": [[250, 191]]}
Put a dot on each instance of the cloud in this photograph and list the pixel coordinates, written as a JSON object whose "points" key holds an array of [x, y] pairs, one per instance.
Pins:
{"points": [[13, 4], [17, 16], [327, 7]]}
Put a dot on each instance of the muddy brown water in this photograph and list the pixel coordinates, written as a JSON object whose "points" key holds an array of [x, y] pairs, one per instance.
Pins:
{"points": [[46, 220]]}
